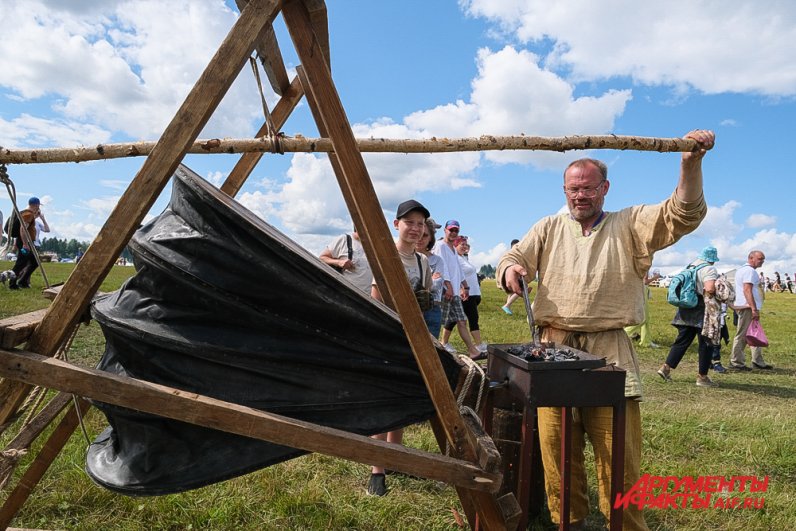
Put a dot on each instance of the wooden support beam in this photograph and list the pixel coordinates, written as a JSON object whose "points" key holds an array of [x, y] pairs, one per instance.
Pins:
{"points": [[144, 190], [279, 116], [379, 246], [319, 20], [17, 329], [358, 190], [300, 144], [52, 447], [34, 369], [270, 56]]}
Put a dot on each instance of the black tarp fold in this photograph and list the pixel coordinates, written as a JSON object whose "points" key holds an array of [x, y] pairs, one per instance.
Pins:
{"points": [[224, 305]]}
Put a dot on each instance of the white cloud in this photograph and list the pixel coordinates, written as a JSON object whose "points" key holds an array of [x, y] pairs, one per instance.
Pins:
{"points": [[101, 207], [491, 256], [119, 67], [719, 222], [114, 184], [26, 130], [673, 43], [757, 221], [216, 178], [512, 95]]}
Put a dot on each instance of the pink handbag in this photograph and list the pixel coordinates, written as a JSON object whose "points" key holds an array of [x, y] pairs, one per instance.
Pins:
{"points": [[755, 336]]}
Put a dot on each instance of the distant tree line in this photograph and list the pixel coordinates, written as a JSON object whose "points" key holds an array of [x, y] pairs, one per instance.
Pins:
{"points": [[68, 248], [62, 247]]}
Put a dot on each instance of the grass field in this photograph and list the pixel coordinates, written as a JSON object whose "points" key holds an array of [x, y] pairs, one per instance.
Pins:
{"points": [[745, 427]]}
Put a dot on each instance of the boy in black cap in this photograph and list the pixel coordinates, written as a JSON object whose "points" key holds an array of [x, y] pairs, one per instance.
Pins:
{"points": [[410, 220]]}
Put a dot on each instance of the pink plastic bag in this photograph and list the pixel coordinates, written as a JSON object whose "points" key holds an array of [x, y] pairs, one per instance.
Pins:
{"points": [[755, 337]]}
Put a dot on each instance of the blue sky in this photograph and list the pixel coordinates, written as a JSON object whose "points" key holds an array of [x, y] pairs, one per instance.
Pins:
{"points": [[83, 72]]}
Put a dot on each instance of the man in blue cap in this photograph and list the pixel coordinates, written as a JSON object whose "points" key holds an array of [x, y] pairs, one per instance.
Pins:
{"points": [[26, 262], [688, 321]]}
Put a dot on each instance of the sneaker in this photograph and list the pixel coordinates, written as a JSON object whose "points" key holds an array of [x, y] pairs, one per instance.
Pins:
{"points": [[507, 310], [704, 381], [742, 368], [377, 485], [653, 344], [764, 366], [449, 348], [482, 347], [719, 368], [664, 373]]}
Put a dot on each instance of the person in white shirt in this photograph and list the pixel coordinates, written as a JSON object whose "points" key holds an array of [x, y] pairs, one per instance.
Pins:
{"points": [[748, 302], [354, 269], [456, 289], [470, 305]]}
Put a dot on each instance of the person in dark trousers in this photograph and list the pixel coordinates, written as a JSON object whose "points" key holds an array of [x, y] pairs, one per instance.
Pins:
{"points": [[688, 321], [26, 262]]}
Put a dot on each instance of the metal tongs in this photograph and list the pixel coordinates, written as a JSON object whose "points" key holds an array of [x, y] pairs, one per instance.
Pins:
{"points": [[535, 340]]}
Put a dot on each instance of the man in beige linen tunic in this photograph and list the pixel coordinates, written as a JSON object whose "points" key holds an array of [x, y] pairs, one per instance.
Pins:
{"points": [[591, 265]]}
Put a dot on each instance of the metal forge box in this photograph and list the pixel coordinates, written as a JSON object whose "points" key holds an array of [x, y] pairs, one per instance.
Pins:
{"points": [[520, 385]]}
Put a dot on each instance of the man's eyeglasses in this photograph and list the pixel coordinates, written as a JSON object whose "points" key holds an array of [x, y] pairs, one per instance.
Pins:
{"points": [[572, 193], [452, 229]]}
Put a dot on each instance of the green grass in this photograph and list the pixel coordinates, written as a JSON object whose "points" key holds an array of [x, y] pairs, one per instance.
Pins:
{"points": [[744, 427]]}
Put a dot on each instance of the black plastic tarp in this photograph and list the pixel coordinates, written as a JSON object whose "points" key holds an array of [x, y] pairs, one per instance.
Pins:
{"points": [[224, 305]]}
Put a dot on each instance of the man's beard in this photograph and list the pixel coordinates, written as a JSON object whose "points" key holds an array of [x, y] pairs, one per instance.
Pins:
{"points": [[584, 215]]}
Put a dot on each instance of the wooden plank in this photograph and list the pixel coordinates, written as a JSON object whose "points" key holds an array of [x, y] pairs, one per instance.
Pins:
{"points": [[52, 447], [319, 21], [279, 116], [271, 59], [233, 418], [17, 329], [488, 455], [144, 190]]}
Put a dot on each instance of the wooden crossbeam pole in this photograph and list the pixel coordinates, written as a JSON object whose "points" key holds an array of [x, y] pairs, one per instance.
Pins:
{"points": [[205, 411], [245, 165], [144, 190], [357, 188], [300, 144]]}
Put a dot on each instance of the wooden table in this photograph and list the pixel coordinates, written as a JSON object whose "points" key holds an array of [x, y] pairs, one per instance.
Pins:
{"points": [[526, 385]]}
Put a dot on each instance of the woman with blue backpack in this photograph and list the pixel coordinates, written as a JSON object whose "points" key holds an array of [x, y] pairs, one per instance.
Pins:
{"points": [[693, 285]]}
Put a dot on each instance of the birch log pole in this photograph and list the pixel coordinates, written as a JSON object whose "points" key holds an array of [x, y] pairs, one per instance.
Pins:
{"points": [[296, 144]]}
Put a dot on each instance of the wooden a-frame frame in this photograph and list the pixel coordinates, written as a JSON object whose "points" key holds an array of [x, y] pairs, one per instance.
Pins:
{"points": [[306, 21]]}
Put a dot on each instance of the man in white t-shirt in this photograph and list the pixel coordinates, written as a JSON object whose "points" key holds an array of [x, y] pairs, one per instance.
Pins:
{"points": [[350, 260], [748, 302]]}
